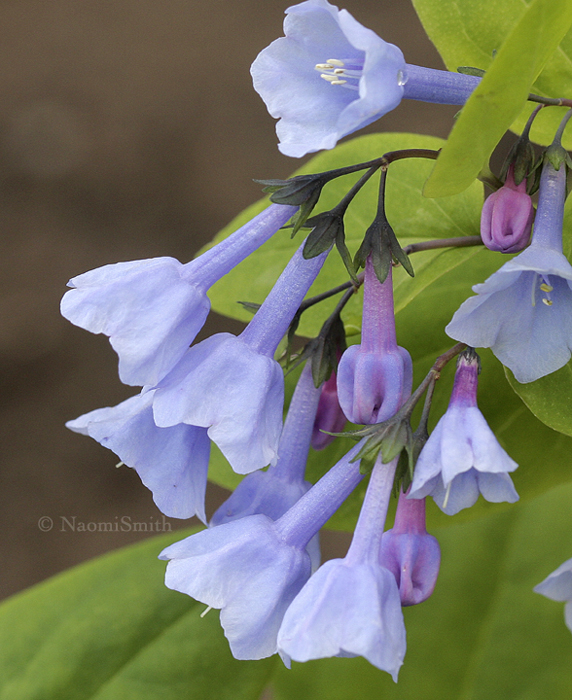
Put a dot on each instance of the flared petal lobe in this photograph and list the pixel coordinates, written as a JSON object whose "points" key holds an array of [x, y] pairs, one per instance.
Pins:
{"points": [[558, 586], [171, 462], [346, 610], [223, 385]]}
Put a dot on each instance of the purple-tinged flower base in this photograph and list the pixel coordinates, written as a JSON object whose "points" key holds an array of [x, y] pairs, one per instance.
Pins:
{"points": [[330, 76], [507, 216], [153, 309], [462, 457], [523, 312], [329, 417], [248, 571], [558, 586], [171, 462], [374, 378], [410, 553]]}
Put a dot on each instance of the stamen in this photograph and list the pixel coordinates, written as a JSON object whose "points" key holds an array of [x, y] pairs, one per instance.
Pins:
{"points": [[338, 82], [546, 287], [119, 464], [323, 66], [329, 78], [548, 302], [447, 494], [336, 62], [205, 611], [534, 277]]}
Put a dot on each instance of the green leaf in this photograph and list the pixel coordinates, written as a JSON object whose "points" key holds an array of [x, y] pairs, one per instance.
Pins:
{"points": [[549, 398], [502, 94], [483, 634], [424, 305], [110, 629], [468, 32]]}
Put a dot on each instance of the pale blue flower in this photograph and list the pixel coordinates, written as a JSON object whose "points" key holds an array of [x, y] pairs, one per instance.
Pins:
{"points": [[153, 309], [462, 457], [351, 606], [171, 462], [253, 567], [523, 312], [374, 378], [558, 586], [246, 569], [330, 76], [232, 385]]}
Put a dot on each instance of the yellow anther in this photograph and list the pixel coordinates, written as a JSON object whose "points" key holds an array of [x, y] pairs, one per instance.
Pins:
{"points": [[339, 71], [329, 78], [336, 62], [548, 302], [546, 287], [323, 66], [338, 82]]}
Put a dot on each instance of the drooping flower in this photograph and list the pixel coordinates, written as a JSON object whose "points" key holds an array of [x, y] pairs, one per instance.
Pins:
{"points": [[248, 571], [411, 554], [558, 586], [330, 76], [351, 606], [253, 567], [374, 378], [507, 216], [274, 491], [462, 457], [153, 309], [171, 462], [329, 417], [232, 385], [523, 312]]}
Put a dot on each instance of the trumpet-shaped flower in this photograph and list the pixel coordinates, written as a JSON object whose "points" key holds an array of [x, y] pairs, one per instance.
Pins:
{"points": [[507, 216], [248, 571], [253, 567], [171, 462], [374, 378], [153, 309], [351, 606], [523, 312], [410, 553], [462, 457], [232, 385], [558, 586], [330, 76]]}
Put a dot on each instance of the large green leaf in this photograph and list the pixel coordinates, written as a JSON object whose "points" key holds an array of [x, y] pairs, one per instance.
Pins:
{"points": [[468, 32], [531, 39], [110, 630], [483, 634], [424, 306]]}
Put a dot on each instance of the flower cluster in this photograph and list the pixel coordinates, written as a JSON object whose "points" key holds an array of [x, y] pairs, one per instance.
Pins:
{"points": [[258, 561]]}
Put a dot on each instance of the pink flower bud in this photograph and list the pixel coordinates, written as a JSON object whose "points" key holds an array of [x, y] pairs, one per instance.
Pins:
{"points": [[506, 219], [329, 416], [410, 553]]}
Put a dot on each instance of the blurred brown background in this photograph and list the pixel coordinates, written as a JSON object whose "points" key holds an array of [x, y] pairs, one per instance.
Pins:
{"points": [[128, 129]]}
